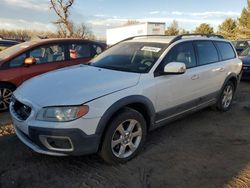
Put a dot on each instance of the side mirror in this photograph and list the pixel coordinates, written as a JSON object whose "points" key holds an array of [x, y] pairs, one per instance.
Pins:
{"points": [[175, 68], [30, 61]]}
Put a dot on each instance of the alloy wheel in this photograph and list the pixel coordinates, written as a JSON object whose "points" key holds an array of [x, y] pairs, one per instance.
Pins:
{"points": [[126, 138], [227, 96], [5, 97]]}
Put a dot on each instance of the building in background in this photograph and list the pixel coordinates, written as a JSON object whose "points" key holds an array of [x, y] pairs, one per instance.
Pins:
{"points": [[115, 35]]}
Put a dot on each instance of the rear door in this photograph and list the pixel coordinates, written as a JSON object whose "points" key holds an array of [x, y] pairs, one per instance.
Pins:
{"points": [[210, 69], [227, 61]]}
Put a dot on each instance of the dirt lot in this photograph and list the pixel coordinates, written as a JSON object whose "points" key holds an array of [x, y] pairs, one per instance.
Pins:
{"points": [[207, 149]]}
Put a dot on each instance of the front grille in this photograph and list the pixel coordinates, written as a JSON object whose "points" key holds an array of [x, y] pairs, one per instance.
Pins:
{"points": [[21, 110]]}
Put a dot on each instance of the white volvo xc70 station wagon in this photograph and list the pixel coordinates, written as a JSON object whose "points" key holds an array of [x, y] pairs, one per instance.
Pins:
{"points": [[133, 87]]}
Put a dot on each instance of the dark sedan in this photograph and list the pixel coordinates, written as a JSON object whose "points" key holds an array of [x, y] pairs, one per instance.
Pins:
{"points": [[7, 43], [245, 57]]}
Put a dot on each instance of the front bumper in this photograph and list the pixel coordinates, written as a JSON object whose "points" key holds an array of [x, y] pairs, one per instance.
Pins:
{"points": [[76, 137], [78, 143]]}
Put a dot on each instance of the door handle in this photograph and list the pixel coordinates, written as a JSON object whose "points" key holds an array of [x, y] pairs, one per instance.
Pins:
{"points": [[221, 69], [195, 77]]}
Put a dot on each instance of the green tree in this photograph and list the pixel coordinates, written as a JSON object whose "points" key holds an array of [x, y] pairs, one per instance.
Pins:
{"points": [[173, 29], [243, 30], [204, 28], [228, 29]]}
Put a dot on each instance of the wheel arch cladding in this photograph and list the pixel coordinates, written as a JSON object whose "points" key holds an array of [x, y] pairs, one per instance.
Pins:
{"points": [[8, 83], [232, 78], [140, 103]]}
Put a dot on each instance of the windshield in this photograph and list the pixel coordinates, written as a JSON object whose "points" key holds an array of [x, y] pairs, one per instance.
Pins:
{"points": [[246, 52], [138, 57], [14, 49]]}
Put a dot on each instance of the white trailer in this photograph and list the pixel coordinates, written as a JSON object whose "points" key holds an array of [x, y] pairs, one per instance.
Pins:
{"points": [[149, 28]]}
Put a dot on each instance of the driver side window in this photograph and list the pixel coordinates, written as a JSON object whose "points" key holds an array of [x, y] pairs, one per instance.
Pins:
{"points": [[48, 53], [183, 53]]}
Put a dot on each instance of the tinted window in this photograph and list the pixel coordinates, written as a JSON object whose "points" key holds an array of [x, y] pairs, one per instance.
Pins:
{"points": [[18, 61], [207, 52], [183, 53], [48, 53], [78, 51], [226, 50]]}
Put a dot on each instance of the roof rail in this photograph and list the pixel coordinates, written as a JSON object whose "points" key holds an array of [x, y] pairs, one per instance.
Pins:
{"points": [[130, 38], [179, 37], [175, 38]]}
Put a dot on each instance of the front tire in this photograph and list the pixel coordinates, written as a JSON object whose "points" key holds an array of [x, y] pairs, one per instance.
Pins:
{"points": [[6, 91], [226, 98], [124, 137]]}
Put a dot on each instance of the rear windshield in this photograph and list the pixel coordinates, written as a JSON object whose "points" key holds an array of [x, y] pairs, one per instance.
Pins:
{"points": [[14, 49]]}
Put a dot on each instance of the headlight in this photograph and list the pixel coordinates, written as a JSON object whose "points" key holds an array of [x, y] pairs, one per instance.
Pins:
{"points": [[62, 114]]}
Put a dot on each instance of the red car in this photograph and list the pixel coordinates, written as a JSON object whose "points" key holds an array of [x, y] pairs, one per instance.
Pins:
{"points": [[29, 59]]}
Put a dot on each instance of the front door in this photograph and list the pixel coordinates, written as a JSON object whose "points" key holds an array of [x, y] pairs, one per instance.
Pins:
{"points": [[48, 58], [177, 93]]}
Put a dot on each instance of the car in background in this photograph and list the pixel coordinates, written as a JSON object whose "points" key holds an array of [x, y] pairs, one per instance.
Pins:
{"points": [[4, 44], [26, 60], [245, 58], [241, 44]]}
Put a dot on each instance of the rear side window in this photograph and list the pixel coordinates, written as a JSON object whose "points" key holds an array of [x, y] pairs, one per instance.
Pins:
{"points": [[78, 51], [226, 50], [207, 52]]}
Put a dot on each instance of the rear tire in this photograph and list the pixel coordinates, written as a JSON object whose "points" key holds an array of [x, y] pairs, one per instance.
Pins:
{"points": [[6, 91], [124, 137], [226, 98]]}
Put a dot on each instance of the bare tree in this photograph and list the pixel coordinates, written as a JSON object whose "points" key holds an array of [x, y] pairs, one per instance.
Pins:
{"points": [[131, 22], [66, 27], [24, 35]]}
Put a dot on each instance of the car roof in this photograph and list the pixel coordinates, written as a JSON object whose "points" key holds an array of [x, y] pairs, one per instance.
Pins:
{"points": [[171, 39], [155, 39], [61, 40]]}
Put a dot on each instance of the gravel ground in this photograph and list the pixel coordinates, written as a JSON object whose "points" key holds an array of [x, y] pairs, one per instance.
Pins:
{"points": [[206, 149]]}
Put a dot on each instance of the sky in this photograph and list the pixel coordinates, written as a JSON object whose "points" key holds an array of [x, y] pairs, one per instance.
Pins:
{"points": [[100, 15]]}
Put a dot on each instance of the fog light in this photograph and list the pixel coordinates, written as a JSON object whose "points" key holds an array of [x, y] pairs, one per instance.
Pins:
{"points": [[57, 143]]}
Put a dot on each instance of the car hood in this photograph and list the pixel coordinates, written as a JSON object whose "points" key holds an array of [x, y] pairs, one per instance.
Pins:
{"points": [[245, 60], [74, 85]]}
